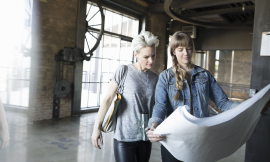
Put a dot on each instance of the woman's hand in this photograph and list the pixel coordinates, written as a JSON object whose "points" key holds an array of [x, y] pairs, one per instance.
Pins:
{"points": [[4, 139], [153, 137], [101, 114], [95, 136]]}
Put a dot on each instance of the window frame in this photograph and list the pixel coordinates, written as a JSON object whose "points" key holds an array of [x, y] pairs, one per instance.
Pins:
{"points": [[111, 34]]}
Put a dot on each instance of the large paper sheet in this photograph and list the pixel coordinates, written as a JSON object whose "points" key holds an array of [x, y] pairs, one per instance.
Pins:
{"points": [[192, 139]]}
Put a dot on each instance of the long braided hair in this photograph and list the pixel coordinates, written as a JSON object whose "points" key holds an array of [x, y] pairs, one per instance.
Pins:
{"points": [[179, 39]]}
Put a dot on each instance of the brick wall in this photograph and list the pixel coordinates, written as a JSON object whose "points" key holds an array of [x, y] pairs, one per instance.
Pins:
{"points": [[54, 27], [242, 67], [158, 28]]}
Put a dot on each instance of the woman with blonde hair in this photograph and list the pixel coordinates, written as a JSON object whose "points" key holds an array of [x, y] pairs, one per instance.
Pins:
{"points": [[130, 141], [184, 84]]}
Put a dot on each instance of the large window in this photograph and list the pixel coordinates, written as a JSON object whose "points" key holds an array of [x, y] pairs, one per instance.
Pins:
{"points": [[216, 64], [15, 62], [114, 50]]}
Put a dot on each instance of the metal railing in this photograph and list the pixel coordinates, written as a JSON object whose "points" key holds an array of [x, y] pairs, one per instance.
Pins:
{"points": [[241, 88]]}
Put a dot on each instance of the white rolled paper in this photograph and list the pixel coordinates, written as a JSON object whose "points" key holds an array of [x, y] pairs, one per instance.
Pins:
{"points": [[210, 139]]}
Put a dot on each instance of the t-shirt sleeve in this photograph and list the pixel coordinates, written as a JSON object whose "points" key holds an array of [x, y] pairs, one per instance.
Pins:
{"points": [[118, 75]]}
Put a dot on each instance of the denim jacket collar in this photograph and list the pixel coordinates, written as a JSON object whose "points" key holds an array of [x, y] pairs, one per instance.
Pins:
{"points": [[195, 70]]}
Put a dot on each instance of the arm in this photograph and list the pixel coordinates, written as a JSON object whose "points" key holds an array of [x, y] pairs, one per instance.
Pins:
{"points": [[4, 134], [102, 112], [161, 101], [159, 110], [218, 96]]}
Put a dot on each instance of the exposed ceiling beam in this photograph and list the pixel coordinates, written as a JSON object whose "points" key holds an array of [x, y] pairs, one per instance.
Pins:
{"points": [[150, 1], [207, 3], [221, 11], [156, 8], [167, 9]]}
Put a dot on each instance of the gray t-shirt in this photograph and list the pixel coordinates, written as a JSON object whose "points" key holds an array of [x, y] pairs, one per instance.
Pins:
{"points": [[138, 97]]}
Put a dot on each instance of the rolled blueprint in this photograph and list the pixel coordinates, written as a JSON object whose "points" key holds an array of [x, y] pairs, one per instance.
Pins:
{"points": [[210, 139]]}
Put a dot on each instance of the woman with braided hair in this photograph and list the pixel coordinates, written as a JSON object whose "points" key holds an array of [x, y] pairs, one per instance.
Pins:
{"points": [[184, 84]]}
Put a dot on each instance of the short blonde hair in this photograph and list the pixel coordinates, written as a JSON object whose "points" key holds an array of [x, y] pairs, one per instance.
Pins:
{"points": [[144, 39]]}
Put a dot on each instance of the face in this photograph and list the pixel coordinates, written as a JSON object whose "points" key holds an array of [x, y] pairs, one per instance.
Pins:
{"points": [[146, 57], [183, 55]]}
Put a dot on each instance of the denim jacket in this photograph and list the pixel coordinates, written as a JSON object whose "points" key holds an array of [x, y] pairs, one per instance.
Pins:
{"points": [[203, 86]]}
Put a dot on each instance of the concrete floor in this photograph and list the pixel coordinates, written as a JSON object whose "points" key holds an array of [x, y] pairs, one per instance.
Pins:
{"points": [[66, 140]]}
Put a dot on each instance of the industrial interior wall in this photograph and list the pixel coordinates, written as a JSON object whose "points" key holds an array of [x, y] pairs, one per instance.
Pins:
{"points": [[211, 62], [242, 67], [158, 28], [242, 71], [224, 68], [223, 39], [54, 27], [237, 73], [218, 39]]}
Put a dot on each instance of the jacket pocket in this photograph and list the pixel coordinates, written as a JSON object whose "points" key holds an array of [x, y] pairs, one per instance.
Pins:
{"points": [[202, 86], [172, 92], [201, 83]]}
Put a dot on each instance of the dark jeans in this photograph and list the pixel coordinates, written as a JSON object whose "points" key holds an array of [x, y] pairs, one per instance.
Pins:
{"points": [[166, 156], [138, 151]]}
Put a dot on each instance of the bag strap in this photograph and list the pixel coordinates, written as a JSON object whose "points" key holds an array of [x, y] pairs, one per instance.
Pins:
{"points": [[121, 85]]}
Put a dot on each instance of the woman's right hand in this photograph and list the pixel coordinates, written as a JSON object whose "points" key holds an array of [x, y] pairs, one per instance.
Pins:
{"points": [[154, 137], [95, 136]]}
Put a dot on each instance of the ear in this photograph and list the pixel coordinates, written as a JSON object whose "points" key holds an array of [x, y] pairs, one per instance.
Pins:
{"points": [[135, 54], [173, 52]]}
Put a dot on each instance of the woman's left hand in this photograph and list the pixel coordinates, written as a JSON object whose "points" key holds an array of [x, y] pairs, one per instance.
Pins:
{"points": [[153, 137]]}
